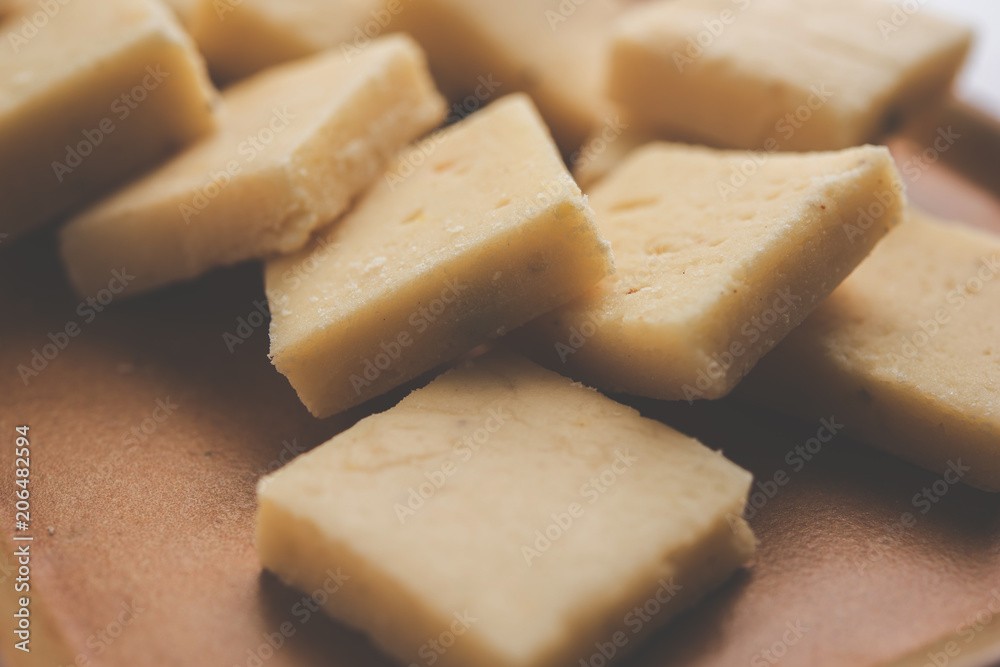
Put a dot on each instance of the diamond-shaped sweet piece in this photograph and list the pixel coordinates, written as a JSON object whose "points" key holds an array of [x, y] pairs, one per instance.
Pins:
{"points": [[906, 353], [296, 144], [508, 516], [475, 231], [719, 255], [93, 92], [788, 75]]}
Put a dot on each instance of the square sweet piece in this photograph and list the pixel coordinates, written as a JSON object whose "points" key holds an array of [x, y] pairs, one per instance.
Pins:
{"points": [[101, 90], [906, 353], [719, 255], [242, 38], [791, 75], [296, 145], [475, 231], [508, 516], [554, 50]]}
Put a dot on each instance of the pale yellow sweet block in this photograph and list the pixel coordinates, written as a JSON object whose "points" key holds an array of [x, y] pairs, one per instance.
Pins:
{"points": [[297, 143], [710, 276], [906, 353], [242, 37], [506, 516], [780, 74], [93, 91], [487, 233], [552, 49]]}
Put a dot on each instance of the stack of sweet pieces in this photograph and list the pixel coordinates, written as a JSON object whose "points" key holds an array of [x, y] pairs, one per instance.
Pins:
{"points": [[504, 503]]}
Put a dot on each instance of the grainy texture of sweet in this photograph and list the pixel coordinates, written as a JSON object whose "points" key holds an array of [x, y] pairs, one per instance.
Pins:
{"points": [[718, 257], [906, 352], [475, 231], [100, 90], [534, 510], [296, 144], [552, 49], [241, 38], [780, 74]]}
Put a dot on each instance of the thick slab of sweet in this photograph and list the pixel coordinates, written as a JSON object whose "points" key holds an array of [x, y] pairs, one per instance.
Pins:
{"points": [[504, 515], [780, 74], [472, 233], [554, 50], [242, 38], [297, 143], [906, 353], [93, 92], [718, 257]]}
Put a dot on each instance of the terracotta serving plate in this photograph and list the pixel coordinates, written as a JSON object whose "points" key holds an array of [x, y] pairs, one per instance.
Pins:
{"points": [[149, 430]]}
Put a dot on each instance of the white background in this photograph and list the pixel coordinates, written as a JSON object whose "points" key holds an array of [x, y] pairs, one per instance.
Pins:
{"points": [[979, 84]]}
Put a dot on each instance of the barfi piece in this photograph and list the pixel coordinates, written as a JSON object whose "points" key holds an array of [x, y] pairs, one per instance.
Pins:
{"points": [[100, 90], [718, 258], [906, 353], [553, 50], [476, 231], [506, 516], [241, 38], [296, 145], [788, 75]]}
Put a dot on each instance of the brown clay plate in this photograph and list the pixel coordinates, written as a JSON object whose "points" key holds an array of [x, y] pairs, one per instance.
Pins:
{"points": [[148, 432]]}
